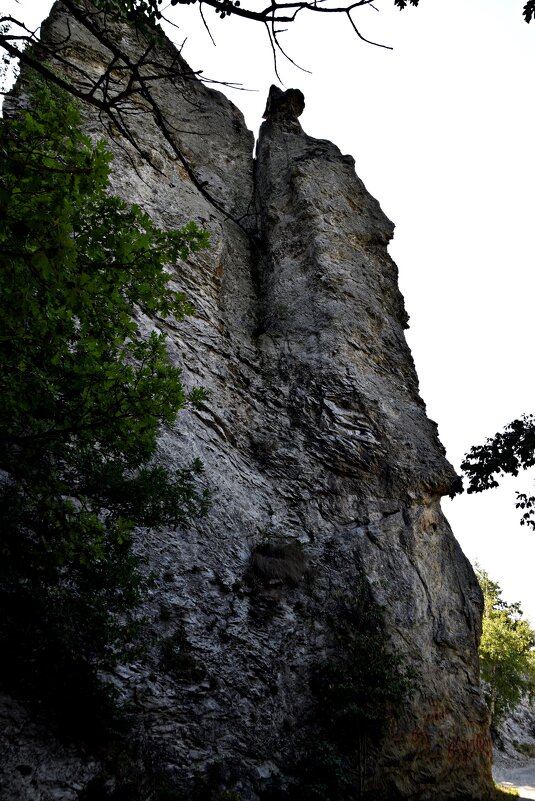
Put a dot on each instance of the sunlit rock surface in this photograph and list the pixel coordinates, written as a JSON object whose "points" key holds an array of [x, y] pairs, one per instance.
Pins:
{"points": [[314, 433]]}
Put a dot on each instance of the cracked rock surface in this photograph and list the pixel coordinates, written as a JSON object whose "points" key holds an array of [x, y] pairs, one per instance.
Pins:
{"points": [[314, 434]]}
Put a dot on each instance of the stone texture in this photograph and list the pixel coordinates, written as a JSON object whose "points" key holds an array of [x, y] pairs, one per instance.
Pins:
{"points": [[514, 749], [314, 433]]}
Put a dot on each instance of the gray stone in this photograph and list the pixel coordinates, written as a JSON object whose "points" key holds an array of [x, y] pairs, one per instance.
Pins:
{"points": [[314, 433]]}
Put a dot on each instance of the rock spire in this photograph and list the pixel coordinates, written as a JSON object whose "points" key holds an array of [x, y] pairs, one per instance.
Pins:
{"points": [[315, 441]]}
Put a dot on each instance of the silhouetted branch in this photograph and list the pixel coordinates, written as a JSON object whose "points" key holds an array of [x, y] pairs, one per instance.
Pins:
{"points": [[125, 85]]}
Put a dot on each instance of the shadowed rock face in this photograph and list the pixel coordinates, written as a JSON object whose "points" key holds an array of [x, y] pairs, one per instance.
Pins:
{"points": [[315, 437], [289, 104]]}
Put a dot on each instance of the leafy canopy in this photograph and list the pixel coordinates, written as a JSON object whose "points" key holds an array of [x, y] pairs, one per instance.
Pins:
{"points": [[529, 10], [84, 396], [506, 652], [506, 453]]}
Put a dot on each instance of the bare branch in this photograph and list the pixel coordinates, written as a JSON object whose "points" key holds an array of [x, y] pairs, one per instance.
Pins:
{"points": [[206, 24], [274, 51], [278, 12], [368, 41], [126, 78]]}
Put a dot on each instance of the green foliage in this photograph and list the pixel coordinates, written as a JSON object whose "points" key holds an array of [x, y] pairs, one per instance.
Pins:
{"points": [[359, 686], [506, 651], [506, 453], [358, 691], [84, 396]]}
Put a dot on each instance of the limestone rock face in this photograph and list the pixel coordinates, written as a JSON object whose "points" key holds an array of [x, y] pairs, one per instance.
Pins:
{"points": [[314, 434]]}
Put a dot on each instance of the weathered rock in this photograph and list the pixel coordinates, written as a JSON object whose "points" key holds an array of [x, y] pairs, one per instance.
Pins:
{"points": [[314, 434], [289, 104], [514, 748]]}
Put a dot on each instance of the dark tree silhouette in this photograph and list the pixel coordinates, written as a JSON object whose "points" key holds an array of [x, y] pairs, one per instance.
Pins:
{"points": [[529, 10], [125, 77], [506, 453]]}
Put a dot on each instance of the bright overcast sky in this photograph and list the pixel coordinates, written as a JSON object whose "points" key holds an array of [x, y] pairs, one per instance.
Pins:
{"points": [[443, 130]]}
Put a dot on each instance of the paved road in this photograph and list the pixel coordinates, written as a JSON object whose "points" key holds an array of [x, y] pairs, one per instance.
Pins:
{"points": [[520, 776]]}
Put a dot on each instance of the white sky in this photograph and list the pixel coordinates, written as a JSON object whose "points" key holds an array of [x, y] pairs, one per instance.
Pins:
{"points": [[443, 131]]}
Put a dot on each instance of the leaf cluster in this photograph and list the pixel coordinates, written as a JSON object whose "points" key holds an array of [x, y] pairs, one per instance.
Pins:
{"points": [[403, 3], [358, 690], [529, 10], [507, 453], [364, 681], [84, 396], [506, 652]]}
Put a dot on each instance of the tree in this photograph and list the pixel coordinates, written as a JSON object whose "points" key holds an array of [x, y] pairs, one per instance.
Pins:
{"points": [[270, 16], [274, 12], [359, 689], [529, 10], [506, 651], [84, 396], [506, 453], [146, 14]]}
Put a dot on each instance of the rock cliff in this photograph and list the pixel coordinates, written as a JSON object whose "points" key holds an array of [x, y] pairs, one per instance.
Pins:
{"points": [[314, 434]]}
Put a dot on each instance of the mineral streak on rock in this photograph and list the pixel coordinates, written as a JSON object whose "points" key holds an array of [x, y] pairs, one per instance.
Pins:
{"points": [[315, 436]]}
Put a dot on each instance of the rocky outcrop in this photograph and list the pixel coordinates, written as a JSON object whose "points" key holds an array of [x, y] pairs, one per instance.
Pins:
{"points": [[314, 440]]}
